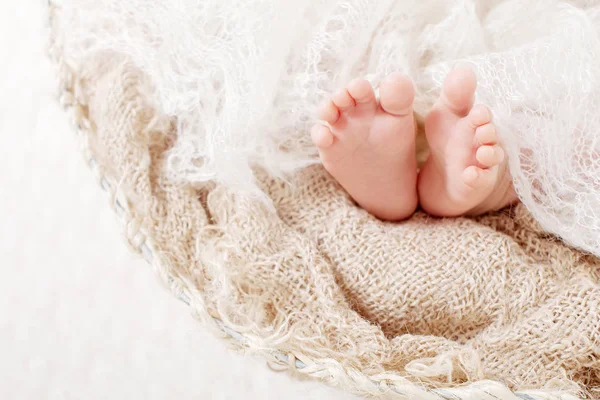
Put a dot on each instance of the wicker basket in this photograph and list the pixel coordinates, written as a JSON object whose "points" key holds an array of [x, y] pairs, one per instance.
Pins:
{"points": [[382, 384]]}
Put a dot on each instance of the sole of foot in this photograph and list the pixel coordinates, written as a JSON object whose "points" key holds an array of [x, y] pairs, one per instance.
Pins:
{"points": [[466, 173], [368, 146]]}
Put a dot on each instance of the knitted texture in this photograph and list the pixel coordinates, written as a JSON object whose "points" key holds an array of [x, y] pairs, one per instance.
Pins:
{"points": [[244, 77], [438, 302]]}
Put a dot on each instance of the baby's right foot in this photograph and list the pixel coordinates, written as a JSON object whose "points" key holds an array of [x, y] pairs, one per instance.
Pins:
{"points": [[369, 148], [466, 173]]}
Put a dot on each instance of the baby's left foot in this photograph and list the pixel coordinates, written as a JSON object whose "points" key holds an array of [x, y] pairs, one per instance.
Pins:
{"points": [[466, 173]]}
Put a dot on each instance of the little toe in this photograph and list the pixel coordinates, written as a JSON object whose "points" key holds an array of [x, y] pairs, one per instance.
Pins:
{"points": [[397, 94], [361, 91], [458, 92], [329, 112], [490, 156], [486, 135], [321, 136], [478, 116], [478, 178], [343, 100]]}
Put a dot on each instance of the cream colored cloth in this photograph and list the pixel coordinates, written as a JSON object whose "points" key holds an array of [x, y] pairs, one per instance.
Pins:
{"points": [[439, 301]]}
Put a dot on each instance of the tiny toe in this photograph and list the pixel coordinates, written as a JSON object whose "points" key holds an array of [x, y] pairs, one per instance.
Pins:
{"points": [[361, 90], [479, 115], [321, 136], [486, 134], [489, 155], [458, 92], [397, 94], [478, 178], [343, 100], [329, 112]]}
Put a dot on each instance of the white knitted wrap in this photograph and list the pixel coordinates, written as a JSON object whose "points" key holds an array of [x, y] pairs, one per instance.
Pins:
{"points": [[243, 78]]}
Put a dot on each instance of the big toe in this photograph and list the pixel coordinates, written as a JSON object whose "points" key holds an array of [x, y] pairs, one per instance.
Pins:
{"points": [[458, 92], [397, 94]]}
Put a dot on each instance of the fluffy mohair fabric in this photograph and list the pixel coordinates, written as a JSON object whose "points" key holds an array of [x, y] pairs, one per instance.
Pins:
{"points": [[196, 112], [243, 79]]}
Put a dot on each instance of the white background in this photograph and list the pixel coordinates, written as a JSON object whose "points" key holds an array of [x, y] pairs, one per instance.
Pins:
{"points": [[81, 317]]}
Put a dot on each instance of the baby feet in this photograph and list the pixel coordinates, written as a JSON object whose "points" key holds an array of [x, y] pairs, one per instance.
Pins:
{"points": [[466, 173], [369, 146]]}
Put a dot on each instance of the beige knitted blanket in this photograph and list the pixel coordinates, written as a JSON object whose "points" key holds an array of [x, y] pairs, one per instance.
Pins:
{"points": [[355, 301]]}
